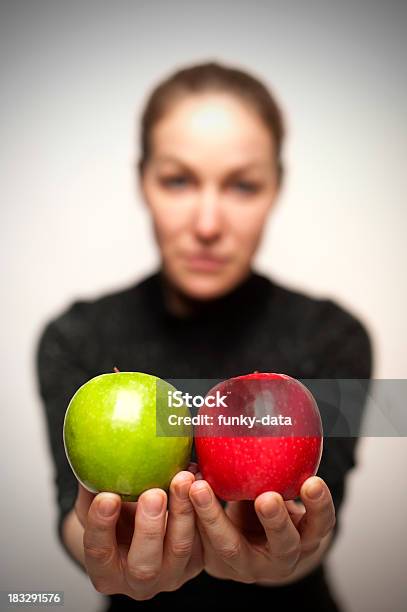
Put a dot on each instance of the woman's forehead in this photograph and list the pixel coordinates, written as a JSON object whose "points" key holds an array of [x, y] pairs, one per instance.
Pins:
{"points": [[189, 140], [223, 116], [170, 159]]}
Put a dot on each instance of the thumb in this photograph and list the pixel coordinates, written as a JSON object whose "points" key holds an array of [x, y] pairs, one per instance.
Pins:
{"points": [[83, 501]]}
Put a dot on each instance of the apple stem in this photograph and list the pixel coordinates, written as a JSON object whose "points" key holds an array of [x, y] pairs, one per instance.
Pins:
{"points": [[255, 372], [116, 369]]}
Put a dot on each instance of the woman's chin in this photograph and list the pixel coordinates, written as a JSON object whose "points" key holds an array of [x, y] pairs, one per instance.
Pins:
{"points": [[206, 287]]}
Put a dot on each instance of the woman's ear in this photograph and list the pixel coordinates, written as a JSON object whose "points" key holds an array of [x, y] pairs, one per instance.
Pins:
{"points": [[277, 180], [280, 177], [280, 180], [139, 179]]}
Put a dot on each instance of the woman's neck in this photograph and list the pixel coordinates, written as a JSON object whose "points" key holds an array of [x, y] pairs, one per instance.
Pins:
{"points": [[177, 302], [183, 306]]}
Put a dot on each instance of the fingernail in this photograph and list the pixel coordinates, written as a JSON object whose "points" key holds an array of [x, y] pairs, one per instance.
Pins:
{"points": [[202, 497], [182, 489], [314, 491], [271, 509], [107, 507], [153, 504]]}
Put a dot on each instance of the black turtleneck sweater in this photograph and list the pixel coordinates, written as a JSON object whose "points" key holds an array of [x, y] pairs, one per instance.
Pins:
{"points": [[259, 325]]}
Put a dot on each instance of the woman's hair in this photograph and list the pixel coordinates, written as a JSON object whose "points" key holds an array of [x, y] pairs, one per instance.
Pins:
{"points": [[211, 77]]}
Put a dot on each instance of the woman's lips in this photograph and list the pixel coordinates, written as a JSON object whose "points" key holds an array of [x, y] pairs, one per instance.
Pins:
{"points": [[205, 263]]}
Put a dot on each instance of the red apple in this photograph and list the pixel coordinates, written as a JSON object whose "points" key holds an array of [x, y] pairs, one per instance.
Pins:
{"points": [[241, 462]]}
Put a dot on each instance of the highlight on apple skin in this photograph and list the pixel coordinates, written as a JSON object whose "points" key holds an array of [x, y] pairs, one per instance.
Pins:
{"points": [[110, 435], [241, 463]]}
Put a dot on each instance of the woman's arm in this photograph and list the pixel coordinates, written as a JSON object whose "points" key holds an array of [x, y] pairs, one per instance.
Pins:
{"points": [[72, 537], [60, 373]]}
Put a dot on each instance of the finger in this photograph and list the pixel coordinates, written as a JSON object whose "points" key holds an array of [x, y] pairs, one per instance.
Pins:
{"points": [[195, 563], [295, 507], [179, 537], [319, 518], [99, 542], [282, 536], [83, 501], [226, 540], [296, 510], [145, 555]]}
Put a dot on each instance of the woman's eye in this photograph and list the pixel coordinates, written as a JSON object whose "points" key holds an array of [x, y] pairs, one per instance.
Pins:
{"points": [[180, 181], [246, 187], [176, 181]]}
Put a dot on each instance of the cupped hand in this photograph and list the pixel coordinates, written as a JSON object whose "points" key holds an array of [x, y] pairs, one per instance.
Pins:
{"points": [[264, 540], [140, 548]]}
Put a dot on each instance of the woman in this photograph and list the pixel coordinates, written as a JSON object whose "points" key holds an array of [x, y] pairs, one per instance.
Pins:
{"points": [[210, 172]]}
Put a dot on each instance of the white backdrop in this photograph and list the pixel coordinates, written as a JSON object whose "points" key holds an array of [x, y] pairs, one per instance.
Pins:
{"points": [[74, 79]]}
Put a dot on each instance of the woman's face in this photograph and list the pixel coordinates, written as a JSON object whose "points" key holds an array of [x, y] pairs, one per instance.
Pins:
{"points": [[209, 185]]}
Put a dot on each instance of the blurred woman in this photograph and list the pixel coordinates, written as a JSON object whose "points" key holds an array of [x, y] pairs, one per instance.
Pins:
{"points": [[210, 172]]}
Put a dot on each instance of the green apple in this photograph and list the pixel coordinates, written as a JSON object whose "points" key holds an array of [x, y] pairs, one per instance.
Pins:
{"points": [[112, 435]]}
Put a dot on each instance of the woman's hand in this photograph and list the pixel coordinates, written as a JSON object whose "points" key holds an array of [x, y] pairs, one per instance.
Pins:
{"points": [[266, 541], [139, 548]]}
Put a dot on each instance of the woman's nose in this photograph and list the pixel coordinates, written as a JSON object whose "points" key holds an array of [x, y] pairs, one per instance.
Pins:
{"points": [[208, 218]]}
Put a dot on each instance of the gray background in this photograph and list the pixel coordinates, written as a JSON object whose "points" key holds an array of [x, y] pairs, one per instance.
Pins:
{"points": [[74, 78]]}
